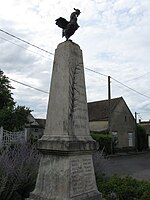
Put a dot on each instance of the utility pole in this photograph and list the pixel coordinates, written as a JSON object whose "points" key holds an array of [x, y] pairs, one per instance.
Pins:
{"points": [[109, 105], [136, 141], [109, 112], [135, 117]]}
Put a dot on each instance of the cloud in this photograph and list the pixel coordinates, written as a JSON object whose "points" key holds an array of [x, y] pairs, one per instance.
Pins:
{"points": [[113, 34]]}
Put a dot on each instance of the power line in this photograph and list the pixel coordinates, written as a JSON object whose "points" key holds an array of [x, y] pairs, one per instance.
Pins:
{"points": [[96, 72], [120, 83], [23, 47], [90, 70], [29, 86], [138, 77], [53, 54], [145, 112], [131, 88], [26, 42], [139, 116]]}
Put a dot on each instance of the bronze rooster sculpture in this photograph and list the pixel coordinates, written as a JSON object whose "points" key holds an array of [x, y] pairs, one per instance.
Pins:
{"points": [[69, 27]]}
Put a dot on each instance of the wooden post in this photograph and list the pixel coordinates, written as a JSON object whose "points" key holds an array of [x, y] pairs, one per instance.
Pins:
{"points": [[1, 136], [25, 134], [109, 105], [109, 111], [136, 139]]}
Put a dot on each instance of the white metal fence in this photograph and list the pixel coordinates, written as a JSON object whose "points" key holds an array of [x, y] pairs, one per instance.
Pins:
{"points": [[11, 137]]}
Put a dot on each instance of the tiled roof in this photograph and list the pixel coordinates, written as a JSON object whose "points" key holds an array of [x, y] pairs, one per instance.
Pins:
{"points": [[41, 122], [98, 110]]}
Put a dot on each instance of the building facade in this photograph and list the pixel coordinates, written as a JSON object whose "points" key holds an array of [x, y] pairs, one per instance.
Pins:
{"points": [[114, 117], [35, 128], [146, 125]]}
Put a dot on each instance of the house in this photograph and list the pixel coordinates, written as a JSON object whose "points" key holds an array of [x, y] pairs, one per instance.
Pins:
{"points": [[121, 122], [146, 125], [35, 128]]}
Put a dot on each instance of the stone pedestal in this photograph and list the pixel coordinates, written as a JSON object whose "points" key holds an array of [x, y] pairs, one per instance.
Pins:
{"points": [[66, 168]]}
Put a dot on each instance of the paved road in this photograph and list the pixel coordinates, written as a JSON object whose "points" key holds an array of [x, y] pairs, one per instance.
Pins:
{"points": [[137, 166]]}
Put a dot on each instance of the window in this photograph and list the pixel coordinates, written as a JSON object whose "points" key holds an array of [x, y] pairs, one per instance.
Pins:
{"points": [[149, 141], [130, 139], [115, 137], [125, 118]]}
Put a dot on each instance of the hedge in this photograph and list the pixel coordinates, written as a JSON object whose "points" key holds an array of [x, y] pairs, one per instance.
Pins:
{"points": [[125, 188], [104, 141], [142, 139]]}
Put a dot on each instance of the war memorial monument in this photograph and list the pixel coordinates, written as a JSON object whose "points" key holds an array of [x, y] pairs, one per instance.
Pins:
{"points": [[66, 168]]}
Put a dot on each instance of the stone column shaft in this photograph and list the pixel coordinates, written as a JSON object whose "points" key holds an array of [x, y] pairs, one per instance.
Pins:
{"points": [[66, 168]]}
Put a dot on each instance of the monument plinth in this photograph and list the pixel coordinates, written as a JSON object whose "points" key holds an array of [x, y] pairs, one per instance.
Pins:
{"points": [[66, 168]]}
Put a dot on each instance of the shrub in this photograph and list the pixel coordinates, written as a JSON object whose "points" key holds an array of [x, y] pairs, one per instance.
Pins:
{"points": [[126, 188], [104, 141], [142, 139], [18, 171]]}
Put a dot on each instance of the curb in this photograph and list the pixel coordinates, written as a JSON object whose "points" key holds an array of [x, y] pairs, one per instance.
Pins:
{"points": [[127, 154]]}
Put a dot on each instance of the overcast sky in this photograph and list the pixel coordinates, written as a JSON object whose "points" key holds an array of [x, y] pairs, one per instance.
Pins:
{"points": [[114, 36]]}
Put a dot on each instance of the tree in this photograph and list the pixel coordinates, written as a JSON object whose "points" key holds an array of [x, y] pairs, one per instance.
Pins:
{"points": [[12, 116], [142, 140], [6, 99]]}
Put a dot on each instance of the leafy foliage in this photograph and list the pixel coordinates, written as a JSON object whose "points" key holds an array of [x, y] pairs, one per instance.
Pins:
{"points": [[104, 141], [12, 117], [141, 138], [6, 100], [126, 188]]}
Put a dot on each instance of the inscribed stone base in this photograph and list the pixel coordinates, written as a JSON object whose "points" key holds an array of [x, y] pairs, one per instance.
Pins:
{"points": [[66, 178], [88, 196]]}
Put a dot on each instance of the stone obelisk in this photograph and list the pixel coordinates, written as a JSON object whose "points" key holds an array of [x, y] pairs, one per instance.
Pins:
{"points": [[66, 168]]}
